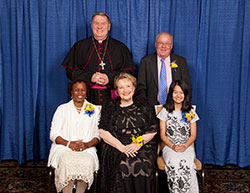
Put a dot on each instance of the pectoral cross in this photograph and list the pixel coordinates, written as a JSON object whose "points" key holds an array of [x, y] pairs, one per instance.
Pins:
{"points": [[102, 64]]}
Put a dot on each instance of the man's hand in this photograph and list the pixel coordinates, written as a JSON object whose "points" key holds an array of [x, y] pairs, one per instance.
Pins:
{"points": [[100, 78]]}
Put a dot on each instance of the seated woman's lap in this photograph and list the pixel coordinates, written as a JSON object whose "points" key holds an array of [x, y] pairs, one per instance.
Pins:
{"points": [[141, 165], [75, 166]]}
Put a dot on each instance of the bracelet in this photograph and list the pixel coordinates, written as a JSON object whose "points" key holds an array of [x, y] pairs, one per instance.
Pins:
{"points": [[68, 144], [173, 146]]}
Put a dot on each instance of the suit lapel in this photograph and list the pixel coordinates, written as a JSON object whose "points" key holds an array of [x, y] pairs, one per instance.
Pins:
{"points": [[176, 73], [154, 69], [172, 58]]}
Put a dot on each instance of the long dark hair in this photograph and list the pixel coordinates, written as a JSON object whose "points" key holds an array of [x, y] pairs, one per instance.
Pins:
{"points": [[186, 104]]}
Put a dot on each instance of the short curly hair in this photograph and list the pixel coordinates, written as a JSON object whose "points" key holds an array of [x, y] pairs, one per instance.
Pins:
{"points": [[71, 84]]}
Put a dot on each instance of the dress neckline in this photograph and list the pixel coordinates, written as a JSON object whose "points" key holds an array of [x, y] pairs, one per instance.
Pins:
{"points": [[126, 106]]}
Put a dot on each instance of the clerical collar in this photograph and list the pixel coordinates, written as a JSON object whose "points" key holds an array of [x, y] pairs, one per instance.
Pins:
{"points": [[100, 41]]}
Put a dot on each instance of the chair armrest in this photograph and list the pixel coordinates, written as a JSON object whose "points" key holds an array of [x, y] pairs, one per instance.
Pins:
{"points": [[198, 164], [161, 163]]}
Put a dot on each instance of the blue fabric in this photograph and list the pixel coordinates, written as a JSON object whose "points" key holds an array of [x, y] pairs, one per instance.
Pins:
{"points": [[214, 37], [222, 83], [163, 83]]}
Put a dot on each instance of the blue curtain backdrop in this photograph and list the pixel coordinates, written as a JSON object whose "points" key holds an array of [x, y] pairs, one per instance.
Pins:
{"points": [[214, 37]]}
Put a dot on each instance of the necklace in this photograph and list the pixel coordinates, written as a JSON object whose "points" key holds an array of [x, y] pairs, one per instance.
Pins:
{"points": [[102, 64], [78, 108]]}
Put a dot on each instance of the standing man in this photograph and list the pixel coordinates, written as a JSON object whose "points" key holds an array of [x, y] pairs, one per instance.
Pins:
{"points": [[98, 59], [158, 70]]}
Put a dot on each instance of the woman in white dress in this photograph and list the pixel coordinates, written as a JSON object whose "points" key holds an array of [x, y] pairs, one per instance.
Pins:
{"points": [[178, 132], [74, 133]]}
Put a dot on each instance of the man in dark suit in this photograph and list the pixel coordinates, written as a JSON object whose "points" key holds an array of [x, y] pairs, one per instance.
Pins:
{"points": [[150, 69]]}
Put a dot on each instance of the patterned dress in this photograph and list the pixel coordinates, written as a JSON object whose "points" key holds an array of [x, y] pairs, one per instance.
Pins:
{"points": [[119, 173], [180, 167]]}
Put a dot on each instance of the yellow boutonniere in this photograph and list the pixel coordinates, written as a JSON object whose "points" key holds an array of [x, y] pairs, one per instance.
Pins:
{"points": [[174, 65], [137, 139]]}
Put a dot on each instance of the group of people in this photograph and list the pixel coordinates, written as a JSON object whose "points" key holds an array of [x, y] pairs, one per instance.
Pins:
{"points": [[119, 116]]}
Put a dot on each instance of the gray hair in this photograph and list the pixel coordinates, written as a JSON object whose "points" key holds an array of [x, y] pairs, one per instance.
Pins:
{"points": [[101, 14]]}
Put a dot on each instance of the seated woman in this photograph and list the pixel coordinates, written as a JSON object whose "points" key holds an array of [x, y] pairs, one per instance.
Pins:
{"points": [[128, 153], [178, 132], [74, 133]]}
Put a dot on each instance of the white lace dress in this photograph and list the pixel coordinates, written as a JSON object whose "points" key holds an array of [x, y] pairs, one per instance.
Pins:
{"points": [[180, 167], [70, 125]]}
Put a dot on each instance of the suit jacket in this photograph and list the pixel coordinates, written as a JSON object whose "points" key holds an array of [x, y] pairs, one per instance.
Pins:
{"points": [[148, 76]]}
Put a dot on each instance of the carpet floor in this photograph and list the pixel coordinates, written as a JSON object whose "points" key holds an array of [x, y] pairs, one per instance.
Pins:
{"points": [[34, 178]]}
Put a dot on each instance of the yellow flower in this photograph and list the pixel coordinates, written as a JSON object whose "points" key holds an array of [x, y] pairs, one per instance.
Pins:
{"points": [[174, 64], [89, 109], [187, 117], [137, 139]]}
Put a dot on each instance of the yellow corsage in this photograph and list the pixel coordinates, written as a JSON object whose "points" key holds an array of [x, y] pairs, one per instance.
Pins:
{"points": [[89, 109], [187, 117], [137, 139]]}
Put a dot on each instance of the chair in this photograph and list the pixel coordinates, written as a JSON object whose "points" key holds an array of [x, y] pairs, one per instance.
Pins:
{"points": [[161, 163]]}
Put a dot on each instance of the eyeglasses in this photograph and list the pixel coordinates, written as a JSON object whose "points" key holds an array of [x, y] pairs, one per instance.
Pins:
{"points": [[100, 23], [164, 44]]}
